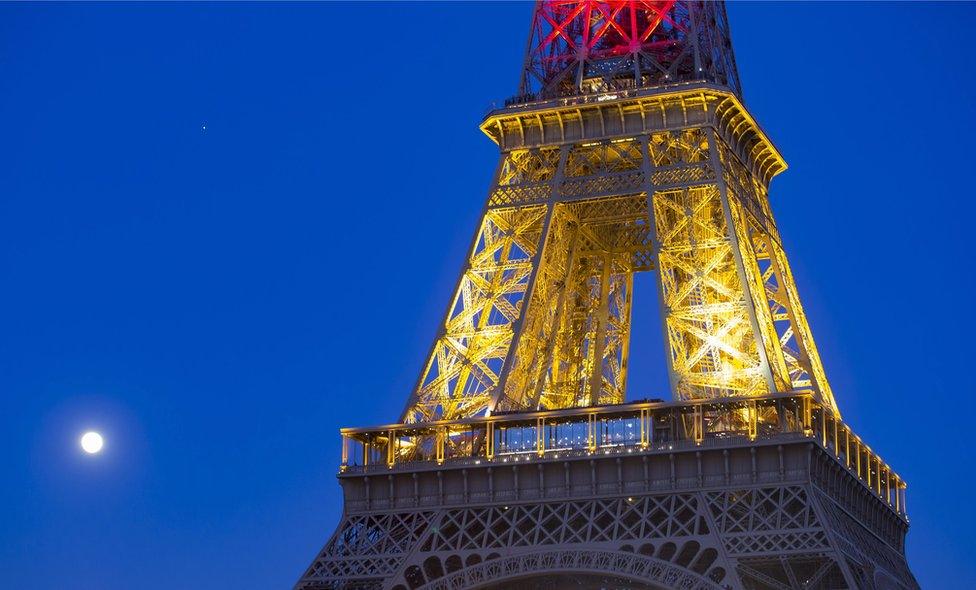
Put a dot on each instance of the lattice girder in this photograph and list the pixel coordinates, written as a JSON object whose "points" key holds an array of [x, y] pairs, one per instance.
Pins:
{"points": [[713, 347], [580, 46], [782, 536], [542, 316], [517, 459], [464, 364]]}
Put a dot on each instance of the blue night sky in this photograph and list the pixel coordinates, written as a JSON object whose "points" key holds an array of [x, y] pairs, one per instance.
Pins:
{"points": [[220, 301]]}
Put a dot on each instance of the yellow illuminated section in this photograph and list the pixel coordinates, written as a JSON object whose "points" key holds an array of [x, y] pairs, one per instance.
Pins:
{"points": [[464, 366], [541, 318]]}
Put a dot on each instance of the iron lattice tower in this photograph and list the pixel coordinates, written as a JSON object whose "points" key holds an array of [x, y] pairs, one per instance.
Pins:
{"points": [[517, 462]]}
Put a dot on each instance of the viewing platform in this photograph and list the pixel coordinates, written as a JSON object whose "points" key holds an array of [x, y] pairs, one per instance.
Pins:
{"points": [[650, 427]]}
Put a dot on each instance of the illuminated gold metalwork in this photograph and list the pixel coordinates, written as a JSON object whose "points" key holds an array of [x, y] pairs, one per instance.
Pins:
{"points": [[541, 317], [467, 357]]}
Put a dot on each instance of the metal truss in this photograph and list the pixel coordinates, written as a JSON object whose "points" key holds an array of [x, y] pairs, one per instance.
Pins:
{"points": [[517, 463], [541, 318], [573, 348], [467, 357], [713, 347], [604, 45], [786, 333], [781, 537]]}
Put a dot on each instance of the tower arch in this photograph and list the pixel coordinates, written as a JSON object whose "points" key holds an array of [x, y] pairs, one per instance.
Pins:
{"points": [[643, 572]]}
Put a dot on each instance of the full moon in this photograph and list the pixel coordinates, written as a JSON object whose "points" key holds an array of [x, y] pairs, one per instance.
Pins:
{"points": [[92, 442]]}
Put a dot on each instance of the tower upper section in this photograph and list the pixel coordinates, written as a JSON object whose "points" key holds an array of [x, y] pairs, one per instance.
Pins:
{"points": [[583, 46]]}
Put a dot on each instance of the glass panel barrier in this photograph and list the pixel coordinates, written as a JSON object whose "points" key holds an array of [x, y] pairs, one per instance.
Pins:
{"points": [[516, 439]]}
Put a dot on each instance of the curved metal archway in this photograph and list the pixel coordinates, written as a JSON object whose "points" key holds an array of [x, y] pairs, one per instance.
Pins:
{"points": [[633, 566]]}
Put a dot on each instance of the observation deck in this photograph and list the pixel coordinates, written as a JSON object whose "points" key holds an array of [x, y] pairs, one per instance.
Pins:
{"points": [[636, 429]]}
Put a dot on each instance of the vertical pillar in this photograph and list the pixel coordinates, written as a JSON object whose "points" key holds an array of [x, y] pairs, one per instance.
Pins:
{"points": [[439, 445], [847, 446], [752, 416], [540, 442], [806, 415], [620, 475], [345, 453], [591, 433], [592, 477], [782, 463], [888, 484], [674, 477], [836, 437], [391, 449], [699, 427], [515, 483], [599, 344], [644, 427], [897, 494], [567, 485], [755, 471], [877, 474], [867, 459], [823, 427], [489, 440]]}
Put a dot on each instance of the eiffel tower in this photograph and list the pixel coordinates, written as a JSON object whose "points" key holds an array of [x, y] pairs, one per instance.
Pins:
{"points": [[517, 461]]}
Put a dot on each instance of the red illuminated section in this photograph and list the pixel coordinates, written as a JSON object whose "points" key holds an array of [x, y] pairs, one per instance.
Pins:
{"points": [[579, 46], [600, 29]]}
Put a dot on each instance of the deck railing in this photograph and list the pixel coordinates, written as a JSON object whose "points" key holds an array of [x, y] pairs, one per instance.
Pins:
{"points": [[648, 426]]}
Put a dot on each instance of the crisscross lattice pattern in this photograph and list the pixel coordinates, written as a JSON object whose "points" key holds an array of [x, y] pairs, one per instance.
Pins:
{"points": [[597, 45], [370, 546], [466, 360], [762, 509], [542, 315], [573, 347], [558, 523], [713, 346]]}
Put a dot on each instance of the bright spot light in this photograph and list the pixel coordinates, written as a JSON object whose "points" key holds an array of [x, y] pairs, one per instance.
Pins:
{"points": [[92, 442]]}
